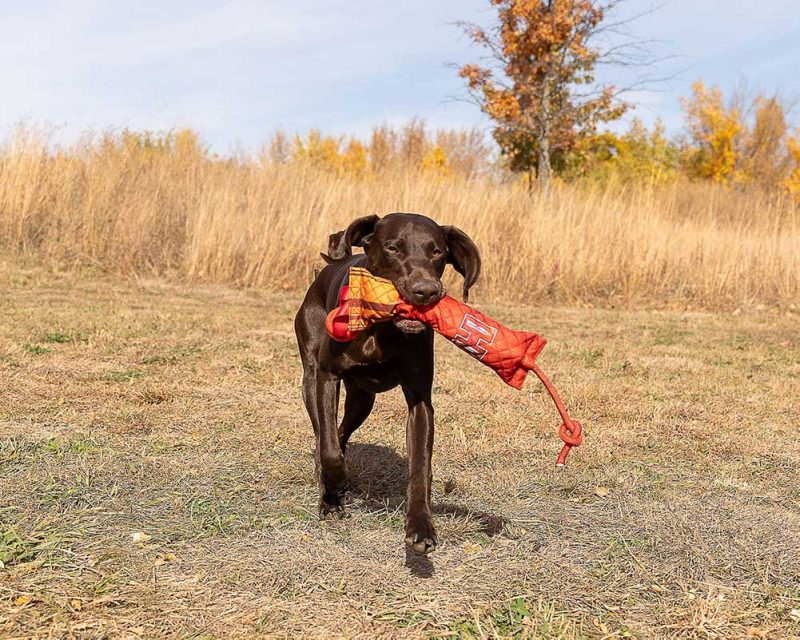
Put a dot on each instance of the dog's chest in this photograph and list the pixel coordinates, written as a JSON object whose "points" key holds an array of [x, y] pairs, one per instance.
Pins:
{"points": [[373, 347], [374, 354], [370, 363]]}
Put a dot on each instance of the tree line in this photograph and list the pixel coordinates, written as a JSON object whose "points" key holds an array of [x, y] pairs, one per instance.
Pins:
{"points": [[538, 86]]}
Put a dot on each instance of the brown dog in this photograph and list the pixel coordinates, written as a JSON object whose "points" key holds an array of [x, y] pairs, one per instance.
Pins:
{"points": [[412, 251]]}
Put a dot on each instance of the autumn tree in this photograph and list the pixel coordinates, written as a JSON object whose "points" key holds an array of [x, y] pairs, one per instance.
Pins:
{"points": [[436, 161], [413, 143], [411, 148], [466, 150], [382, 144], [279, 149], [714, 129], [317, 150], [539, 86], [353, 159], [740, 140], [638, 156], [765, 156]]}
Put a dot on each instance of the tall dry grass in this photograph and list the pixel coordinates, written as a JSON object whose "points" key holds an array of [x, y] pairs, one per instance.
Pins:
{"points": [[139, 207]]}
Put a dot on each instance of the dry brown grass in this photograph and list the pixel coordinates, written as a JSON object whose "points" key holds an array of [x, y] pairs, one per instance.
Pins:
{"points": [[138, 209], [174, 411]]}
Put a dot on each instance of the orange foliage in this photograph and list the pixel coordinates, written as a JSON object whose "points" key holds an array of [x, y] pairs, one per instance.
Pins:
{"points": [[436, 161], [542, 49], [413, 148], [714, 129], [317, 150], [354, 158], [764, 161]]}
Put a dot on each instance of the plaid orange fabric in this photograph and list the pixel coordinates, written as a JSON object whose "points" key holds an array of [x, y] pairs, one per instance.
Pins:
{"points": [[372, 299], [368, 299], [365, 300]]}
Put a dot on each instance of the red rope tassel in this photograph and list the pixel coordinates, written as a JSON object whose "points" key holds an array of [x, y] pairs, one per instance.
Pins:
{"points": [[570, 430]]}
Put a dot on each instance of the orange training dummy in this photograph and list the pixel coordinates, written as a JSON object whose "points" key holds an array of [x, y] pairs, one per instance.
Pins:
{"points": [[368, 299]]}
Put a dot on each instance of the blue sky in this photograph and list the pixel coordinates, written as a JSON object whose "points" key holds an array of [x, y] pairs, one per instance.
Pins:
{"points": [[236, 71]]}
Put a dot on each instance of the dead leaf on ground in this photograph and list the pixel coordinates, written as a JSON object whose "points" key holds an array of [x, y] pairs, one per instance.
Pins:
{"points": [[164, 558], [139, 537]]}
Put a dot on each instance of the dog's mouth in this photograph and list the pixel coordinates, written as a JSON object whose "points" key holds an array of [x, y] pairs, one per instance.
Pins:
{"points": [[409, 326]]}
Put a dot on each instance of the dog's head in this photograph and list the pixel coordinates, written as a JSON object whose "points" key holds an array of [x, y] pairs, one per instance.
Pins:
{"points": [[412, 251]]}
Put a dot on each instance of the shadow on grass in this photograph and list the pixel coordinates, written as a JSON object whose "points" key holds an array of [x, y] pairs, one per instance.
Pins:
{"points": [[379, 476], [420, 566]]}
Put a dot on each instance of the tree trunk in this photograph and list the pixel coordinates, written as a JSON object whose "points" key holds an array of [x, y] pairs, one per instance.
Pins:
{"points": [[543, 170]]}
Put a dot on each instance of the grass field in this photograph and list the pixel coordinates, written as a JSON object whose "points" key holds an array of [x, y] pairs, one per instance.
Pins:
{"points": [[156, 477], [127, 206]]}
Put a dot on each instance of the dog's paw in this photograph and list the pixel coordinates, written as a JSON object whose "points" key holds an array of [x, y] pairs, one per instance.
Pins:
{"points": [[421, 534], [331, 508]]}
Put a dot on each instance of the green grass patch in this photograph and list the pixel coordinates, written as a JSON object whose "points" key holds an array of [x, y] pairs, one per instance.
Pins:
{"points": [[172, 356], [19, 548], [126, 375], [518, 619], [16, 448], [72, 492], [211, 517], [35, 349], [81, 444], [57, 337], [670, 335]]}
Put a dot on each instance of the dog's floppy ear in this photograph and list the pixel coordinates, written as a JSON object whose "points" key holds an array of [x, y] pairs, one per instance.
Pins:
{"points": [[358, 234], [464, 256]]}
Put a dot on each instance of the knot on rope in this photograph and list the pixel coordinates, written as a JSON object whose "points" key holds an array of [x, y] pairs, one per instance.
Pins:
{"points": [[572, 436], [570, 430], [571, 433]]}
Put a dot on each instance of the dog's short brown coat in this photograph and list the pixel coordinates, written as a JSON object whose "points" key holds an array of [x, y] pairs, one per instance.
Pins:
{"points": [[412, 251]]}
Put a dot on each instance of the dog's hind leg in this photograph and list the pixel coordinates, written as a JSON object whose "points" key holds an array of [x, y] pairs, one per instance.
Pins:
{"points": [[358, 404]]}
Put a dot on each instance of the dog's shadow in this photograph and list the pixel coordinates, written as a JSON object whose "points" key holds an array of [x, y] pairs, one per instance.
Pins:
{"points": [[378, 477]]}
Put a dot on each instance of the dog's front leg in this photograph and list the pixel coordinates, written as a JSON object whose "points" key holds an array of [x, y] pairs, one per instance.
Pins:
{"points": [[420, 532], [321, 397]]}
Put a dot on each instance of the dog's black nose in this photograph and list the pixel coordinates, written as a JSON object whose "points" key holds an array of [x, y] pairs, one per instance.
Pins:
{"points": [[425, 291]]}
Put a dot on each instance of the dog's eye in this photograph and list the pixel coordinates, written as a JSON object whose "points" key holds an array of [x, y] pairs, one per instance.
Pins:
{"points": [[391, 248], [436, 253]]}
